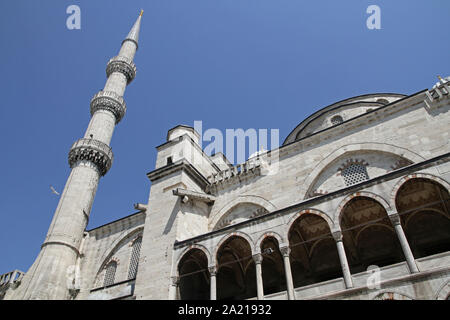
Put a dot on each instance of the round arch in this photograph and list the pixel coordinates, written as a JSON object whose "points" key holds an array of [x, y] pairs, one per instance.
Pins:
{"points": [[390, 228], [361, 194], [422, 202], [280, 239], [350, 148], [240, 234], [187, 249], [419, 175], [316, 212], [443, 292], [256, 200], [116, 244], [391, 295]]}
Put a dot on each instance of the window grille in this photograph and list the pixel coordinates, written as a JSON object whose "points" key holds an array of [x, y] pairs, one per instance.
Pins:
{"points": [[336, 120], [134, 262], [354, 174], [110, 273]]}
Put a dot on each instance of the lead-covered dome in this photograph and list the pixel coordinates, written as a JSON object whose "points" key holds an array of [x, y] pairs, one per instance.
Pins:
{"points": [[339, 112]]}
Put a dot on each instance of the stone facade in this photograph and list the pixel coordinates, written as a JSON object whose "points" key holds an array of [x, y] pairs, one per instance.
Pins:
{"points": [[354, 205]]}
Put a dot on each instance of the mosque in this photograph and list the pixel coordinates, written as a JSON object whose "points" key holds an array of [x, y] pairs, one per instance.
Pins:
{"points": [[357, 208]]}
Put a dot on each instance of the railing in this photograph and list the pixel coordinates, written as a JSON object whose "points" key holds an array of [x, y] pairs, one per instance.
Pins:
{"points": [[437, 93], [11, 277], [93, 144], [237, 170]]}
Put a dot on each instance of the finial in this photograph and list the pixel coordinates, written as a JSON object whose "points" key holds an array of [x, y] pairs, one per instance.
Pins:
{"points": [[440, 78], [142, 12]]}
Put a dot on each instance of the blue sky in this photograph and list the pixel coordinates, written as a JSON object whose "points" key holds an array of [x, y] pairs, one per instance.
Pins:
{"points": [[230, 63]]}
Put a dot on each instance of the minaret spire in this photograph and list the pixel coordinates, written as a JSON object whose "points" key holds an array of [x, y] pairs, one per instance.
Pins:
{"points": [[133, 35], [90, 158]]}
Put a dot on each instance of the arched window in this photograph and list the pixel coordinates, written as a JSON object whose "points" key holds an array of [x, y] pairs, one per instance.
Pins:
{"points": [[134, 261], [383, 101], [336, 120], [354, 174], [110, 273]]}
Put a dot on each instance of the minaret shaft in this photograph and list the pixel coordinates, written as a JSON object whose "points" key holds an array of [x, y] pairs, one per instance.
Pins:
{"points": [[51, 275]]}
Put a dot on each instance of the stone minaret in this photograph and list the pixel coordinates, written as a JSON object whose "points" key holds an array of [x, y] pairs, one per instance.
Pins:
{"points": [[52, 274]]}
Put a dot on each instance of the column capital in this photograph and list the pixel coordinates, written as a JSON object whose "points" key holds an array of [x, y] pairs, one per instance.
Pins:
{"points": [[258, 258], [175, 280], [395, 219], [337, 235], [212, 270], [285, 251]]}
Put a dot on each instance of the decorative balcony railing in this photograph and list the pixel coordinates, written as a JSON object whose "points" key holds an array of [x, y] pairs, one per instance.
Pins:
{"points": [[439, 92], [94, 151], [11, 277], [108, 100]]}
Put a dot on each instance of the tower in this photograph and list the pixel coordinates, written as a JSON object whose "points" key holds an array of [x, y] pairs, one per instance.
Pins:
{"points": [[53, 274]]}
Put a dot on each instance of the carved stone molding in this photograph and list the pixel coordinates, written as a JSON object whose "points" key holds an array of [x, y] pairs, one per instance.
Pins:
{"points": [[395, 219], [285, 251], [337, 236], [175, 281], [212, 270], [108, 100], [94, 151], [258, 258], [123, 65], [234, 175]]}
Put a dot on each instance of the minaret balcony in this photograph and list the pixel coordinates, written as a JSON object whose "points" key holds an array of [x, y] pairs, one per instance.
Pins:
{"points": [[111, 101], [123, 65], [92, 150]]}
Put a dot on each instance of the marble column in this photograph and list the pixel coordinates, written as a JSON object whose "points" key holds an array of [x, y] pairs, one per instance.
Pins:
{"points": [[343, 259], [396, 222], [259, 280], [213, 288], [174, 288], [286, 251]]}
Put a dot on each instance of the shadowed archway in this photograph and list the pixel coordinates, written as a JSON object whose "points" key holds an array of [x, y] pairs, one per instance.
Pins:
{"points": [[236, 275], [314, 256], [194, 276], [274, 279], [368, 235], [424, 208]]}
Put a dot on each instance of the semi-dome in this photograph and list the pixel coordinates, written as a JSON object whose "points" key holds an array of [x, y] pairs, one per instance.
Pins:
{"points": [[339, 112]]}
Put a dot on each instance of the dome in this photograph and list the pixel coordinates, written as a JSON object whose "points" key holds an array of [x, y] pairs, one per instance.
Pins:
{"points": [[340, 112]]}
